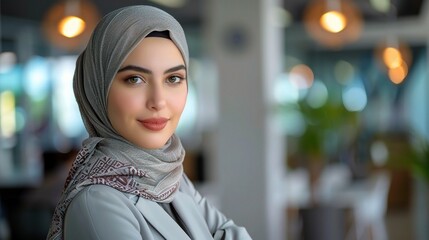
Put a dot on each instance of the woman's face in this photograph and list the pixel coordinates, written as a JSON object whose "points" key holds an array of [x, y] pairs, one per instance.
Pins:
{"points": [[148, 94]]}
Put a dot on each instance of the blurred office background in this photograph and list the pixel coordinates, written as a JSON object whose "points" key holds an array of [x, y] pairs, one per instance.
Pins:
{"points": [[305, 119]]}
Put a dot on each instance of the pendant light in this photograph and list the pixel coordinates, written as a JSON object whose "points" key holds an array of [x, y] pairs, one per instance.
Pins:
{"points": [[394, 56], [333, 23], [69, 23]]}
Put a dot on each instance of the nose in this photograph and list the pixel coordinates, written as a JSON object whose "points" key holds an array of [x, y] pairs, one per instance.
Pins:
{"points": [[156, 98]]}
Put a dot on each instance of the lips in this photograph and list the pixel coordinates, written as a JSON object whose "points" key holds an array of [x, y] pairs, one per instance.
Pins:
{"points": [[154, 124]]}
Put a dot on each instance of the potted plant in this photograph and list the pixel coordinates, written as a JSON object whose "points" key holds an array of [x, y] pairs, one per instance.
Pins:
{"points": [[328, 129]]}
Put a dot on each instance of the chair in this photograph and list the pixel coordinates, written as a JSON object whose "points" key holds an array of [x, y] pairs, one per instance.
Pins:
{"points": [[333, 179], [369, 210], [297, 188]]}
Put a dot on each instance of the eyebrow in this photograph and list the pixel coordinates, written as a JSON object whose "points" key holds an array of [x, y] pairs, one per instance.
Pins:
{"points": [[145, 70]]}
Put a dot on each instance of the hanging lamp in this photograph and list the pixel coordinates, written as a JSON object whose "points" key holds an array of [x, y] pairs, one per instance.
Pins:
{"points": [[333, 23], [68, 24]]}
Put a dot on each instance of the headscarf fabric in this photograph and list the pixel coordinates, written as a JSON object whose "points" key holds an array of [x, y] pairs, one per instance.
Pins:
{"points": [[106, 157]]}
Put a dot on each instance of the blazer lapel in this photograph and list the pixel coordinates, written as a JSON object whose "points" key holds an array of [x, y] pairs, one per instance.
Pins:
{"points": [[160, 220], [191, 216]]}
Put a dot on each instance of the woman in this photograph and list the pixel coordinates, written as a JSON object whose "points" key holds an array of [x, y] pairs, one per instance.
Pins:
{"points": [[127, 181]]}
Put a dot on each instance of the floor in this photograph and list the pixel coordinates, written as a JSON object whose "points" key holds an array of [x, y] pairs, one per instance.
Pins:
{"points": [[399, 225]]}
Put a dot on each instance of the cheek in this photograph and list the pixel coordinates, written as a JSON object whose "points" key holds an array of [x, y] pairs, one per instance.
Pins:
{"points": [[122, 103], [179, 101]]}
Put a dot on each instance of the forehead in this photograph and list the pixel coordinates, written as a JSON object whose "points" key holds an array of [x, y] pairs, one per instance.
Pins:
{"points": [[155, 50]]}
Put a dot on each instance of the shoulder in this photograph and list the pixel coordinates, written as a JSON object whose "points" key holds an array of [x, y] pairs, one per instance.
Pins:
{"points": [[97, 191], [95, 208], [101, 196], [98, 194]]}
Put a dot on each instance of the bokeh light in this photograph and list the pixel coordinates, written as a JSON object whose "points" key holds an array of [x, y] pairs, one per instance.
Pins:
{"points": [[12, 79], [284, 91], [301, 76], [7, 61], [66, 111], [7, 114], [397, 75], [333, 27], [379, 153], [333, 21], [343, 72], [171, 3], [395, 58], [68, 24], [71, 26], [354, 97], [392, 57], [317, 95], [381, 5], [36, 78]]}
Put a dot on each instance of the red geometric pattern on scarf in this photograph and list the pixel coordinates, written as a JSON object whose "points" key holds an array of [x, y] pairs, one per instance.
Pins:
{"points": [[106, 171], [80, 158]]}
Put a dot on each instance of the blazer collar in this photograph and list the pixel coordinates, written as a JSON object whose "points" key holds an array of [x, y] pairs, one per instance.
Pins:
{"points": [[160, 220], [188, 212], [191, 216]]}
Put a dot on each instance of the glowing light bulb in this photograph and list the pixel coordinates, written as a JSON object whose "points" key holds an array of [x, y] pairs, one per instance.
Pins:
{"points": [[398, 74], [392, 57], [333, 21], [71, 26]]}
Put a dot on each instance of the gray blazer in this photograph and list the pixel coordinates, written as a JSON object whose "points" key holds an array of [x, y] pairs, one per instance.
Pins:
{"points": [[102, 212]]}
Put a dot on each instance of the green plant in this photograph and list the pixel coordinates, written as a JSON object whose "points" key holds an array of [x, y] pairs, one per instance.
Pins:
{"points": [[409, 151], [327, 128], [419, 164]]}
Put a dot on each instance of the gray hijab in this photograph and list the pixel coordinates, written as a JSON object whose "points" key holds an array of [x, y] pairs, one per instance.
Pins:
{"points": [[113, 39], [106, 157]]}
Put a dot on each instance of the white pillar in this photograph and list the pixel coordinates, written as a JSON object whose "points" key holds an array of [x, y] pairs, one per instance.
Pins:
{"points": [[246, 47]]}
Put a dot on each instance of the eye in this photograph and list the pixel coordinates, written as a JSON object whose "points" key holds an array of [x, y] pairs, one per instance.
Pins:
{"points": [[134, 80], [174, 79]]}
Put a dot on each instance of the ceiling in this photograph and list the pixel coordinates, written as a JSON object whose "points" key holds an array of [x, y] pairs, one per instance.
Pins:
{"points": [[191, 13], [15, 12], [35, 10], [405, 8]]}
